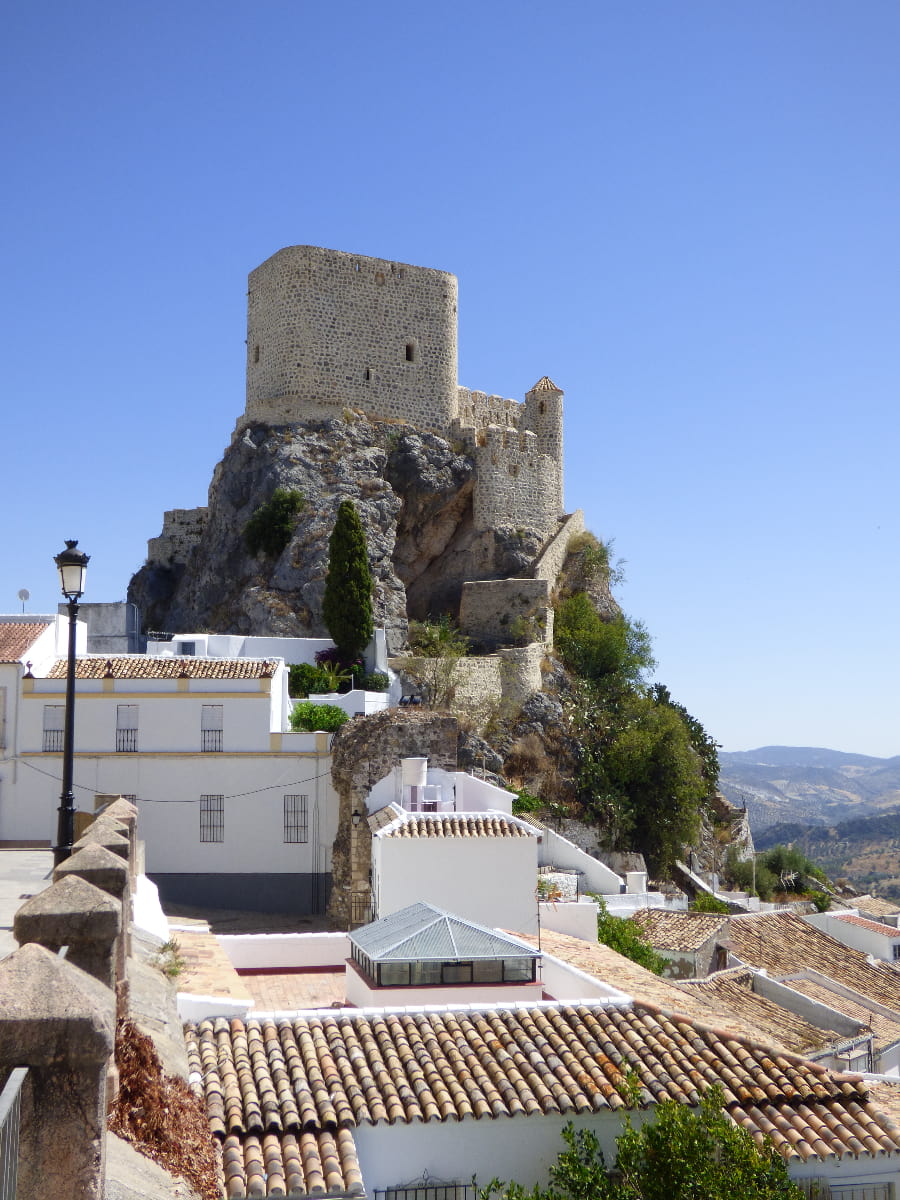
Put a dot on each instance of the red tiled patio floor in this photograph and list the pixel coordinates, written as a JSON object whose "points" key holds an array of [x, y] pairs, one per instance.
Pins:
{"points": [[279, 991]]}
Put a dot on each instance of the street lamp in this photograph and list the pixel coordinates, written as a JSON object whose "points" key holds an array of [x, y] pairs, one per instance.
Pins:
{"points": [[72, 567]]}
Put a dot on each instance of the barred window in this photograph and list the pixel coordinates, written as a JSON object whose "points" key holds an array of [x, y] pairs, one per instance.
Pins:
{"points": [[212, 818], [126, 728], [296, 821], [54, 723], [211, 728]]}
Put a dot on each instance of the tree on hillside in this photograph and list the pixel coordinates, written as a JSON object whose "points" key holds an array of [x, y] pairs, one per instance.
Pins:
{"points": [[683, 1154], [347, 603]]}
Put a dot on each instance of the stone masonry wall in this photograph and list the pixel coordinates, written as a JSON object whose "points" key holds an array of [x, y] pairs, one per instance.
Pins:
{"points": [[328, 330], [514, 484], [497, 611], [550, 561], [513, 675], [181, 533]]}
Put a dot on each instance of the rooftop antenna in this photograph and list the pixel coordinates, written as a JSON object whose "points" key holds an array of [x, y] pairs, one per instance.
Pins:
{"points": [[24, 595]]}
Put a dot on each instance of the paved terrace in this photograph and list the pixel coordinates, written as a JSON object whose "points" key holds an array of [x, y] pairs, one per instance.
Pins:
{"points": [[23, 873]]}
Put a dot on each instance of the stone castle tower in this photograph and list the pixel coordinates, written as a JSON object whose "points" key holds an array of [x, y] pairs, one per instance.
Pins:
{"points": [[329, 331]]}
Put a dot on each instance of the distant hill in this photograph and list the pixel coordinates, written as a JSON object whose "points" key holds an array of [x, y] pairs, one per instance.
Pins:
{"points": [[802, 786], [864, 850]]}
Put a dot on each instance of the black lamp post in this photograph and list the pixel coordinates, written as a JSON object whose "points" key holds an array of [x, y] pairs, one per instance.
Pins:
{"points": [[72, 567]]}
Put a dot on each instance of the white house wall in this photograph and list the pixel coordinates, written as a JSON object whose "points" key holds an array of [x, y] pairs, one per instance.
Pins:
{"points": [[857, 937], [488, 880]]}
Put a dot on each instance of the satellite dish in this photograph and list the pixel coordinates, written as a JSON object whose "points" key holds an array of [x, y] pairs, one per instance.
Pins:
{"points": [[24, 595]]}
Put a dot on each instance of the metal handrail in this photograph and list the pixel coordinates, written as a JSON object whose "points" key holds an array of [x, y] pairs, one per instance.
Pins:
{"points": [[10, 1116]]}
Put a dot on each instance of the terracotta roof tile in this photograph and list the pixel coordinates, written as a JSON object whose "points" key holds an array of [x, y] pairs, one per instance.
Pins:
{"points": [[885, 1028], [733, 990], [141, 666], [291, 1092], [667, 929], [607, 965], [456, 825], [872, 926], [545, 384], [875, 906], [17, 636], [784, 943]]}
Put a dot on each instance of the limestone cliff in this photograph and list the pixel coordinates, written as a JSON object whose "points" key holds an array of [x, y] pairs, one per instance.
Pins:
{"points": [[414, 494]]}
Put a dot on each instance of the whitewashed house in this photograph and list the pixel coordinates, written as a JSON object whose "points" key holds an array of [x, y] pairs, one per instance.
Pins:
{"points": [[859, 933], [236, 810]]}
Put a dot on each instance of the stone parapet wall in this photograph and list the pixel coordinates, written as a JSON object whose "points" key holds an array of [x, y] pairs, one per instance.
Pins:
{"points": [[327, 329], [478, 410], [550, 561], [510, 675], [514, 484], [181, 533], [497, 611]]}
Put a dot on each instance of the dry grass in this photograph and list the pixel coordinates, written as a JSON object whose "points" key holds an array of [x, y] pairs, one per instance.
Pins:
{"points": [[161, 1116]]}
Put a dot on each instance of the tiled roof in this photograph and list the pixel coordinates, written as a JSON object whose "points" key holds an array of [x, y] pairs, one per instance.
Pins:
{"points": [[885, 1028], [875, 906], [610, 967], [384, 816], [420, 932], [269, 1084], [142, 666], [872, 926], [545, 384], [455, 825], [784, 943], [17, 636], [734, 990], [666, 929]]}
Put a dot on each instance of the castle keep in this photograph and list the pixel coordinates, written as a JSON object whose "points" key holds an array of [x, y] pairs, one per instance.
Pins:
{"points": [[336, 336], [328, 331]]}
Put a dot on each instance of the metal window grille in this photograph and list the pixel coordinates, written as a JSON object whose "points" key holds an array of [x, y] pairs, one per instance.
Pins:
{"points": [[427, 1191], [54, 723], [863, 1191], [10, 1116], [126, 741], [296, 818], [360, 908], [126, 728], [211, 728], [212, 818]]}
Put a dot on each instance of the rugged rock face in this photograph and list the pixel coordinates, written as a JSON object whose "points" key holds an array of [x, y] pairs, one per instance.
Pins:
{"points": [[413, 492]]}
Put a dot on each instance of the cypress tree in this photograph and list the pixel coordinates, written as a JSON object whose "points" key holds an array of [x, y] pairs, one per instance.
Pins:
{"points": [[347, 603]]}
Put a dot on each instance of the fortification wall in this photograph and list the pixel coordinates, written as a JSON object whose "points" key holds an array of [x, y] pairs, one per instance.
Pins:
{"points": [[514, 484], [512, 674], [328, 330], [181, 533], [550, 561], [478, 410], [497, 611]]}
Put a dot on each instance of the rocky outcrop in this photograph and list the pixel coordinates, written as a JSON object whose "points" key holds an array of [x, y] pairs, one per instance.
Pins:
{"points": [[413, 491]]}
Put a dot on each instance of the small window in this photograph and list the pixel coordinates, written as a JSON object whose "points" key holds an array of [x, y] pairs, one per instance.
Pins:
{"points": [[54, 724], [296, 820], [896, 950], [411, 352], [256, 354], [189, 649], [457, 972], [212, 818], [126, 728], [393, 974], [211, 728]]}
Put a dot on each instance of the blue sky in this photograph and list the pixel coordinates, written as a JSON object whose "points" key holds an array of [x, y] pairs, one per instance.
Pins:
{"points": [[685, 214]]}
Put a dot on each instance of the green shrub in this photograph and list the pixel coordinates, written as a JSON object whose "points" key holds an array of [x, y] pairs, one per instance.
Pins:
{"points": [[740, 874], [625, 936], [821, 900], [526, 802], [376, 682], [304, 678], [706, 903], [271, 527], [616, 652], [791, 868], [309, 718], [437, 639]]}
